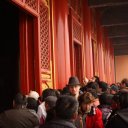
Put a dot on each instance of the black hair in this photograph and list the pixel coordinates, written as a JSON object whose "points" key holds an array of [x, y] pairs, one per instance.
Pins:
{"points": [[125, 81], [92, 85], [105, 99], [103, 85], [20, 99], [48, 92], [66, 106], [32, 103], [97, 79]]}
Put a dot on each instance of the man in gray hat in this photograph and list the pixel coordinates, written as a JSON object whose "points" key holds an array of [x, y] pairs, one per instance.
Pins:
{"points": [[74, 86]]}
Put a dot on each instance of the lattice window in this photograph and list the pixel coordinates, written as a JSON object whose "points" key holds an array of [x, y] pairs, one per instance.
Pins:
{"points": [[77, 30], [44, 37], [76, 5], [32, 3]]}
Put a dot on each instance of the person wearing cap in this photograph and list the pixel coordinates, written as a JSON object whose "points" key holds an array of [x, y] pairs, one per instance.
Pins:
{"points": [[113, 89], [74, 86]]}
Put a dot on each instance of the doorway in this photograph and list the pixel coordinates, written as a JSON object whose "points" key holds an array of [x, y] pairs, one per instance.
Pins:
{"points": [[9, 54], [77, 61]]}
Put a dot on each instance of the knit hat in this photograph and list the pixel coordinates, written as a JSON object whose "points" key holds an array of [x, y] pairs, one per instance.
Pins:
{"points": [[33, 94]]}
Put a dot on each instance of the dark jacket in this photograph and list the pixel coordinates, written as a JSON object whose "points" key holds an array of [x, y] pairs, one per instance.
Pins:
{"points": [[119, 120], [18, 118], [58, 123]]}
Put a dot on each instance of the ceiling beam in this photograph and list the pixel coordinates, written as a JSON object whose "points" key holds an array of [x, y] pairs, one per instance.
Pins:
{"points": [[120, 52], [104, 3], [114, 16], [117, 31], [118, 47]]}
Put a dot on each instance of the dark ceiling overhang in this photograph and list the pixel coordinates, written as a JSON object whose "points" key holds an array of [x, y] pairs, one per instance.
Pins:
{"points": [[104, 3], [114, 18]]}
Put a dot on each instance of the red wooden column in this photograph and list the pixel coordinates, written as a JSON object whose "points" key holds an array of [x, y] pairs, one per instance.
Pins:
{"points": [[61, 55]]}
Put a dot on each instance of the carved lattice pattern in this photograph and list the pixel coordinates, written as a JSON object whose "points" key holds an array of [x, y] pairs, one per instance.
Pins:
{"points": [[77, 30], [76, 5], [44, 37], [33, 4]]}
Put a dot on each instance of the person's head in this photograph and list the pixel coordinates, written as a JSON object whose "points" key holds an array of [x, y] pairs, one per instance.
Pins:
{"points": [[96, 101], [92, 86], [74, 85], [66, 107], [19, 101], [85, 80], [50, 102], [48, 92], [113, 89], [103, 86], [105, 99], [95, 79], [32, 103], [86, 102], [124, 83]]}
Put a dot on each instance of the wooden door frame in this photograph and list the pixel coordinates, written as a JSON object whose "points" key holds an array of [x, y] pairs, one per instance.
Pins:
{"points": [[24, 50], [72, 41]]}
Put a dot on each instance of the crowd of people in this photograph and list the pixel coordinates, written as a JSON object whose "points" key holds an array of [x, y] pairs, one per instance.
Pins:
{"points": [[91, 104]]}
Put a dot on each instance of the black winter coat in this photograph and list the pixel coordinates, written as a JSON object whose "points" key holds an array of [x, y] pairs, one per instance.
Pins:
{"points": [[119, 120]]}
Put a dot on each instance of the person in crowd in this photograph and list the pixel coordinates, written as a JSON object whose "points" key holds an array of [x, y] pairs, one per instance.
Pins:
{"points": [[85, 81], [33, 94], [50, 103], [32, 105], [33, 98], [91, 86], [103, 87], [124, 83], [66, 112], [92, 115], [105, 106], [74, 86], [65, 90], [95, 79], [120, 118], [41, 112], [19, 117], [114, 105], [114, 89]]}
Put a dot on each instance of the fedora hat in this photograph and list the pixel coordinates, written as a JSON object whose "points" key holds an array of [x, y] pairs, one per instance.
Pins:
{"points": [[73, 80]]}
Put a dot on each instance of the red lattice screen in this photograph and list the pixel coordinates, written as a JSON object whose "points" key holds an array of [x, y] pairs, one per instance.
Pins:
{"points": [[32, 3], [77, 30], [44, 37], [76, 6]]}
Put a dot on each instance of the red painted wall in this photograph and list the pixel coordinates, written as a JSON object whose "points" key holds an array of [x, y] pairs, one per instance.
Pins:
{"points": [[87, 40], [105, 55], [105, 61], [61, 43]]}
